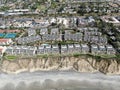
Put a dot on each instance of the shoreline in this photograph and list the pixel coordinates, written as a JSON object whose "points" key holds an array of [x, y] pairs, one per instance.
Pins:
{"points": [[61, 77], [39, 70]]}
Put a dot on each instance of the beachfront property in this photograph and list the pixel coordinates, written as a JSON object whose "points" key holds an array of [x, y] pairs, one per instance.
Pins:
{"points": [[62, 49], [71, 48], [102, 49], [64, 28], [21, 50], [110, 49], [94, 49], [55, 49], [84, 48], [77, 48]]}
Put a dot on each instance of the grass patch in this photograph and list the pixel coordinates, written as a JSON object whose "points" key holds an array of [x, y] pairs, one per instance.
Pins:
{"points": [[42, 56], [76, 55], [108, 56], [97, 57], [11, 57], [89, 55], [118, 55], [47, 55]]}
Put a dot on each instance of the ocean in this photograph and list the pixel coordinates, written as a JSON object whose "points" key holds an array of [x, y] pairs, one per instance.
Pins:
{"points": [[59, 80]]}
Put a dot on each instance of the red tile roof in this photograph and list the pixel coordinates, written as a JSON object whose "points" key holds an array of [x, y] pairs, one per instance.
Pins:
{"points": [[9, 31], [1, 49], [4, 40]]}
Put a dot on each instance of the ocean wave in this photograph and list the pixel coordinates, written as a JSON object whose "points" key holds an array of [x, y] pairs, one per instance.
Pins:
{"points": [[59, 80]]}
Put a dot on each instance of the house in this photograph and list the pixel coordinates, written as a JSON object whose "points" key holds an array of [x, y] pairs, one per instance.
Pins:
{"points": [[84, 48], [77, 48], [55, 49], [92, 32], [31, 31], [94, 49], [9, 50], [86, 38], [43, 31], [73, 36], [56, 37], [81, 22], [102, 49], [42, 23], [94, 39], [103, 40], [64, 21], [54, 31], [110, 49], [40, 50], [85, 21], [47, 49], [77, 37], [18, 10], [5, 41], [23, 22], [30, 50], [16, 50], [29, 39], [68, 36], [70, 48], [13, 13], [82, 30], [21, 50], [50, 37], [64, 49]]}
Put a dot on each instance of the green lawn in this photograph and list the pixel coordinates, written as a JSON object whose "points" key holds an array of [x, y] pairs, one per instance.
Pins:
{"points": [[104, 56], [108, 56], [11, 57]]}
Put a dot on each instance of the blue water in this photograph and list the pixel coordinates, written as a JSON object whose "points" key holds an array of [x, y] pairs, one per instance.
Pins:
{"points": [[59, 80]]}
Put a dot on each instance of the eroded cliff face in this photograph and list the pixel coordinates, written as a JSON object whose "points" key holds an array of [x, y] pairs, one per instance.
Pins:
{"points": [[81, 64]]}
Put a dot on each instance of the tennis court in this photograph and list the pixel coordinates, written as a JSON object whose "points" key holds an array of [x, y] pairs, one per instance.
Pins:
{"points": [[2, 35], [10, 35]]}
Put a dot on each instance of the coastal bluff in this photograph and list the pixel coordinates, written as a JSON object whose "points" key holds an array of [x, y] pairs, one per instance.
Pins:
{"points": [[80, 64]]}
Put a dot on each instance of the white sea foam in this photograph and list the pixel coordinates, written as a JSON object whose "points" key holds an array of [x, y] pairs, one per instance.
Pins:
{"points": [[58, 80]]}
